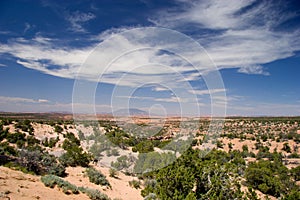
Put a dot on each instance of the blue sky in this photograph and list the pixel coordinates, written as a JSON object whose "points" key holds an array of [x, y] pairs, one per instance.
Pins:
{"points": [[54, 56]]}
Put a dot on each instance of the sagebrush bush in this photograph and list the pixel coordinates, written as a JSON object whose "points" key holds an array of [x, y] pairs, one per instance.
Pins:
{"points": [[52, 180], [97, 177], [94, 194]]}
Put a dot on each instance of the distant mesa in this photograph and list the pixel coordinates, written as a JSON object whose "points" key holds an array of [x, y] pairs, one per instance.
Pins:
{"points": [[130, 112]]}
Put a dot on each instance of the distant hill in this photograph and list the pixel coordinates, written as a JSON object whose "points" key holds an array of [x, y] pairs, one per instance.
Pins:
{"points": [[130, 112]]}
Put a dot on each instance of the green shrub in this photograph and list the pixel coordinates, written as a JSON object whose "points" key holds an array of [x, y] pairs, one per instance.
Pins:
{"points": [[58, 129], [40, 162], [113, 173], [149, 186], [25, 126], [74, 156], [287, 148], [115, 152], [269, 177], [32, 141], [151, 196], [50, 142], [17, 166], [6, 149], [97, 177], [68, 188], [295, 172], [94, 194], [214, 176], [52, 180], [152, 161], [16, 137], [135, 183], [219, 144], [144, 147], [121, 163]]}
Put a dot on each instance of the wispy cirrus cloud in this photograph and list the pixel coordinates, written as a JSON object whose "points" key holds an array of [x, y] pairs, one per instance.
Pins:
{"points": [[138, 56], [5, 99], [77, 19], [208, 91], [171, 99], [41, 53], [27, 27], [242, 34]]}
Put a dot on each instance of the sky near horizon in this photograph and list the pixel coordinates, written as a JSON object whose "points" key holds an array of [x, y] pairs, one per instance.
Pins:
{"points": [[164, 57]]}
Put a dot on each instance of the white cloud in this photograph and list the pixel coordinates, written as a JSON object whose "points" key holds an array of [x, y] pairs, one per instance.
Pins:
{"points": [[242, 43], [40, 54], [207, 92], [137, 58], [243, 33], [159, 89], [43, 101], [257, 69], [5, 99], [77, 19]]}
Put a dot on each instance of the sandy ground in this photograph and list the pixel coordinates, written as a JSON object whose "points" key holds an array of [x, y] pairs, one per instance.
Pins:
{"points": [[120, 186], [17, 185]]}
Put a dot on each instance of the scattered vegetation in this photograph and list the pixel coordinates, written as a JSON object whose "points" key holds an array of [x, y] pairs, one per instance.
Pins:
{"points": [[75, 155], [195, 175], [68, 188]]}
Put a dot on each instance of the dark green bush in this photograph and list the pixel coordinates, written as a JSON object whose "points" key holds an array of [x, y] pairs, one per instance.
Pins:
{"points": [[144, 147], [6, 149], [58, 129], [25, 126], [40, 162], [135, 183], [287, 148], [269, 177], [74, 156], [15, 137], [295, 172]]}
